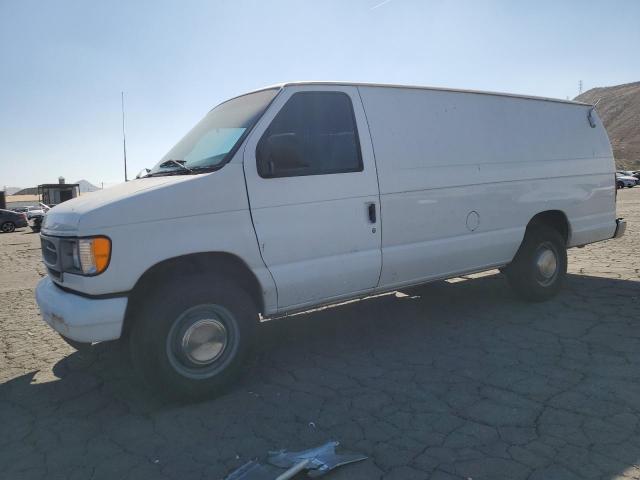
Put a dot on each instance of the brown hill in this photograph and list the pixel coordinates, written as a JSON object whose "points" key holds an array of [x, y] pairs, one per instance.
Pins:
{"points": [[619, 109]]}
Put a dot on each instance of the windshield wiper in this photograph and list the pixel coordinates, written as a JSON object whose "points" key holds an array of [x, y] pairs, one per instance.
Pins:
{"points": [[192, 171], [176, 162]]}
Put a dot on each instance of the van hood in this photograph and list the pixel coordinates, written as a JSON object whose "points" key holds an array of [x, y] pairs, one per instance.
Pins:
{"points": [[150, 200], [64, 219]]}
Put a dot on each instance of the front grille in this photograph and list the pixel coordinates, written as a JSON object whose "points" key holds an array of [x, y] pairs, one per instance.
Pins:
{"points": [[49, 252]]}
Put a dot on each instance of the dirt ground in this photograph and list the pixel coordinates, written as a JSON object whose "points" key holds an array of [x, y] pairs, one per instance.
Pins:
{"points": [[456, 380]]}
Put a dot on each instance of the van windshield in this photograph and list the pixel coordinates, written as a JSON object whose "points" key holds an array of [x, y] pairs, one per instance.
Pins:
{"points": [[210, 142]]}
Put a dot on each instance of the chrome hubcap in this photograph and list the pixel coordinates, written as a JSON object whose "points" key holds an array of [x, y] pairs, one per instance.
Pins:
{"points": [[546, 265], [201, 341], [204, 341]]}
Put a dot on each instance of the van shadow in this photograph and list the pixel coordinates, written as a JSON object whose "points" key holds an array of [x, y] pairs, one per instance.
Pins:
{"points": [[451, 378]]}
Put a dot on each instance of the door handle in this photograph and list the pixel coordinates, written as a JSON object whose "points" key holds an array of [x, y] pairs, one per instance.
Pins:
{"points": [[372, 212]]}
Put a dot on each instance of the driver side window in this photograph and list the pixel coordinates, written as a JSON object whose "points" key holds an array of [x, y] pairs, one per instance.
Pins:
{"points": [[314, 133]]}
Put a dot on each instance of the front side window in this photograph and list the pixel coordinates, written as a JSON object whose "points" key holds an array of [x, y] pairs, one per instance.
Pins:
{"points": [[210, 143], [313, 134]]}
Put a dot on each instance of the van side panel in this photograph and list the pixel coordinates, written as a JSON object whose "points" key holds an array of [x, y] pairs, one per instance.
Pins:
{"points": [[461, 174]]}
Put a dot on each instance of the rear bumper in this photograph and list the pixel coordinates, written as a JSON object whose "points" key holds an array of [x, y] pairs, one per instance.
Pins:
{"points": [[80, 318], [621, 227]]}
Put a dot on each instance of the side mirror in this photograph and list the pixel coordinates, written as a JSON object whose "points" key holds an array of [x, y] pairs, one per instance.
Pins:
{"points": [[142, 173], [279, 153]]}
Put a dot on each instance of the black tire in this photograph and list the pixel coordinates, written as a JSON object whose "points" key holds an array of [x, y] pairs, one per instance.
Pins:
{"points": [[620, 185], [180, 309], [531, 273], [79, 346], [8, 227]]}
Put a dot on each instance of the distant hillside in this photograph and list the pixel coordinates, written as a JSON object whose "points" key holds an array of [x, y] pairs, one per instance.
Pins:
{"points": [[27, 191], [11, 190], [619, 109], [86, 186]]}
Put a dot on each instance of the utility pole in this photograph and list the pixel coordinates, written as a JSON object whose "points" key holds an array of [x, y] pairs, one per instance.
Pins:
{"points": [[580, 87], [124, 139]]}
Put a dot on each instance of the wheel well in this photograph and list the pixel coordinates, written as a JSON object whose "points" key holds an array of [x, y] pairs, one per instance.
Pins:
{"points": [[224, 264], [555, 219]]}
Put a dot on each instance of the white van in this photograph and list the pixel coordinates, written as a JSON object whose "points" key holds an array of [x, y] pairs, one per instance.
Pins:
{"points": [[305, 194]]}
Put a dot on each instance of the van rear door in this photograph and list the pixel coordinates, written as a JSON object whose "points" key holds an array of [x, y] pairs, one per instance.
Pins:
{"points": [[313, 190]]}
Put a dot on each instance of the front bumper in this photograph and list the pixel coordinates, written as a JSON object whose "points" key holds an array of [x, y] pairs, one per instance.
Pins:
{"points": [[80, 318], [621, 227]]}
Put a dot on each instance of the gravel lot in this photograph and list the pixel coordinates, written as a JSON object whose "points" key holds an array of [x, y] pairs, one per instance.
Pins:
{"points": [[456, 380]]}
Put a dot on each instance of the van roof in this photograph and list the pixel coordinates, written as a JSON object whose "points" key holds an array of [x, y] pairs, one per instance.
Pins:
{"points": [[438, 89]]}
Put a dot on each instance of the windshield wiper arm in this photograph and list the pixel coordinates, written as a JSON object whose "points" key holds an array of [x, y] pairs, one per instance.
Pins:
{"points": [[176, 162]]}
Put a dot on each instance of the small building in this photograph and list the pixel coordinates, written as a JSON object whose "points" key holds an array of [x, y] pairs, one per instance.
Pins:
{"points": [[52, 194]]}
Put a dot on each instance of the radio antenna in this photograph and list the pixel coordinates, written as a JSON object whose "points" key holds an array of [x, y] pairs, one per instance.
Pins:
{"points": [[124, 139]]}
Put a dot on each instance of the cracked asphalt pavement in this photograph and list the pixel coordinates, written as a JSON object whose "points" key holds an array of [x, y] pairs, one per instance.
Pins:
{"points": [[452, 380]]}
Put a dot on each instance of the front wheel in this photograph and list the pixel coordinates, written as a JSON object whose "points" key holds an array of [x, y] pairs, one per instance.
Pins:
{"points": [[191, 337], [8, 227], [540, 265]]}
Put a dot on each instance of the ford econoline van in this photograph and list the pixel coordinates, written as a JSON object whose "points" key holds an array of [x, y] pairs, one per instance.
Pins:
{"points": [[306, 194]]}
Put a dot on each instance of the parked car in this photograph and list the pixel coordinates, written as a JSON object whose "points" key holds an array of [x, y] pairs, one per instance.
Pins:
{"points": [[36, 215], [625, 180], [35, 222], [10, 220], [21, 209], [289, 198], [37, 211]]}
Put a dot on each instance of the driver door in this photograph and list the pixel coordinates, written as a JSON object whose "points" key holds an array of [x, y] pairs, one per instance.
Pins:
{"points": [[313, 190]]}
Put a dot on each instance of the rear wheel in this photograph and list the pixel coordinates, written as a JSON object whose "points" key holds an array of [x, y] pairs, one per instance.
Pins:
{"points": [[620, 185], [8, 227], [540, 266], [191, 337]]}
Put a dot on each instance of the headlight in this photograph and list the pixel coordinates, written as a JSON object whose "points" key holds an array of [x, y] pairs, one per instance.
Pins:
{"points": [[87, 256], [94, 254]]}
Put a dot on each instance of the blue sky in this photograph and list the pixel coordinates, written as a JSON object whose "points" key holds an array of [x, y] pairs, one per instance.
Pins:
{"points": [[63, 63]]}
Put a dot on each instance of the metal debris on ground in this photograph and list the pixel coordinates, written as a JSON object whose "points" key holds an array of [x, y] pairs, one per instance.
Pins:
{"points": [[253, 470], [317, 461], [321, 459]]}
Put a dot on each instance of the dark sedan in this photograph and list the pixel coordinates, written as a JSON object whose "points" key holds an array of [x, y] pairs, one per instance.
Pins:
{"points": [[9, 221]]}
